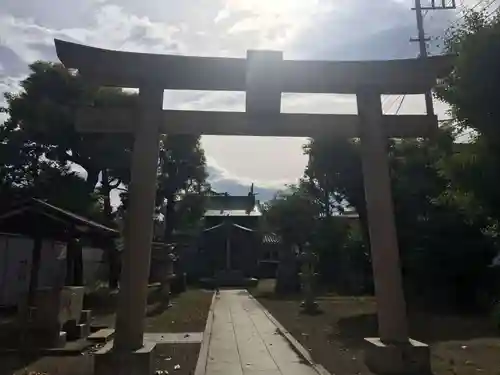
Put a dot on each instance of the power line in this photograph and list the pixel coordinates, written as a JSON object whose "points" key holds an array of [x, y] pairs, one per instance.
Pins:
{"points": [[493, 11], [400, 104], [457, 20], [422, 39], [392, 103]]}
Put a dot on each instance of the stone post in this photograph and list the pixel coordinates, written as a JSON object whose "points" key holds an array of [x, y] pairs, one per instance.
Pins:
{"points": [[139, 233], [393, 352], [309, 261]]}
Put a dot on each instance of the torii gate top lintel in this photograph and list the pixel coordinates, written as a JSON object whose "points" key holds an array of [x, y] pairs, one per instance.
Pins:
{"points": [[128, 69]]}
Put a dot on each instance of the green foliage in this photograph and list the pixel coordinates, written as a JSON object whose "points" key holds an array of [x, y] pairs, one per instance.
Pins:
{"points": [[181, 182], [445, 249], [292, 214], [40, 140], [470, 89], [39, 143], [299, 217], [335, 178]]}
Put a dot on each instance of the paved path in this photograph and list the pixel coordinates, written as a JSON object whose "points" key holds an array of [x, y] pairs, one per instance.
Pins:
{"points": [[245, 342]]}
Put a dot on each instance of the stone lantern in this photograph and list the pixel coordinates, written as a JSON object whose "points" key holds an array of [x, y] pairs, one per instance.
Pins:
{"points": [[308, 277]]}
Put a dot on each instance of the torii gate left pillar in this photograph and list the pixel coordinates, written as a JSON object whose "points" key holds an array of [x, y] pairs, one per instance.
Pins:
{"points": [[131, 354]]}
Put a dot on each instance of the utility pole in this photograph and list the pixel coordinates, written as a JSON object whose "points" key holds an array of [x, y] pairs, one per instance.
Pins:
{"points": [[422, 39]]}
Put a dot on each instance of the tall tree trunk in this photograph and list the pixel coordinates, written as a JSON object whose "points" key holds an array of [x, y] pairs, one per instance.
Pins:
{"points": [[111, 255], [170, 218], [326, 202], [106, 191], [92, 179]]}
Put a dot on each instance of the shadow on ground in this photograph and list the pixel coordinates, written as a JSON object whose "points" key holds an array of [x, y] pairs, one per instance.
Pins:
{"points": [[9, 364], [158, 309], [425, 327], [461, 344]]}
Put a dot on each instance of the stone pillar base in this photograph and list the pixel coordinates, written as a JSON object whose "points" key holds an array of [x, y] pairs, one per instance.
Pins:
{"points": [[110, 361], [412, 358]]}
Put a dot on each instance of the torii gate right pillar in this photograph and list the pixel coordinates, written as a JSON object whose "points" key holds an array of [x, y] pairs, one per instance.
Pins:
{"points": [[393, 352]]}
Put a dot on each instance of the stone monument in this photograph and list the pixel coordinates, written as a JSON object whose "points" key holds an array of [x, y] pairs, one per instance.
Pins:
{"points": [[308, 277]]}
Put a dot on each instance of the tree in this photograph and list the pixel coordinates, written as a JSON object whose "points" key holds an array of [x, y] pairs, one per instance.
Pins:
{"points": [[181, 182], [42, 119], [292, 214], [335, 176], [471, 90], [444, 249], [39, 144]]}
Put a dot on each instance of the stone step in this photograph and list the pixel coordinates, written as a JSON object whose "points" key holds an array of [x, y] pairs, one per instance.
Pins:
{"points": [[102, 336], [94, 327], [78, 331], [61, 340]]}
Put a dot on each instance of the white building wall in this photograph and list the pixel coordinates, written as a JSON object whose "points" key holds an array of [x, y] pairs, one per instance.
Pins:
{"points": [[15, 266]]}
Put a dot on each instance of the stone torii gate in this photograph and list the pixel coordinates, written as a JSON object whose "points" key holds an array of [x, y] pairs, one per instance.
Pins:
{"points": [[264, 76]]}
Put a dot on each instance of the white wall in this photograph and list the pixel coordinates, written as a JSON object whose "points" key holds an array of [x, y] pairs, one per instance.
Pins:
{"points": [[15, 266]]}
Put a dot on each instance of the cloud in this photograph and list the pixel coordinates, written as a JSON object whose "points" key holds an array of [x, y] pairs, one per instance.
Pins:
{"points": [[11, 63], [223, 182], [304, 29]]}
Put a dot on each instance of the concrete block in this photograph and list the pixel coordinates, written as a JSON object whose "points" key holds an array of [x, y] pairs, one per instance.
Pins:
{"points": [[78, 331], [102, 336], [86, 316], [108, 360], [412, 358], [61, 339]]}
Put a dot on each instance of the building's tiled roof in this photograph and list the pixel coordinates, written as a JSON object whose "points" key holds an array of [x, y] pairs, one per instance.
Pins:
{"points": [[227, 205], [254, 212], [54, 212], [224, 225]]}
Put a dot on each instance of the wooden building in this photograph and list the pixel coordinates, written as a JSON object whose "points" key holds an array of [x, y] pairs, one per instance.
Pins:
{"points": [[230, 241], [46, 271], [44, 236]]}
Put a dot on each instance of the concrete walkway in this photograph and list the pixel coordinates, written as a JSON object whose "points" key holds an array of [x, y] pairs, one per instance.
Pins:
{"points": [[244, 341]]}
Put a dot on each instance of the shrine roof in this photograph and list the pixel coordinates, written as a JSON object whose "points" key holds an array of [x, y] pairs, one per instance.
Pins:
{"points": [[50, 220], [227, 205]]}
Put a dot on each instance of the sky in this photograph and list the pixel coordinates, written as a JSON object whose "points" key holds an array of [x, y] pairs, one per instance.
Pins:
{"points": [[302, 29]]}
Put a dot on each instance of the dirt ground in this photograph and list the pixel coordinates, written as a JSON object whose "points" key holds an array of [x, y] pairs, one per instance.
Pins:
{"points": [[188, 313], [461, 345], [176, 359]]}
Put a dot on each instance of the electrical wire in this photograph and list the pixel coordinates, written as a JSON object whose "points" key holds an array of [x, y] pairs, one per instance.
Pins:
{"points": [[493, 12], [392, 103], [400, 104], [457, 20]]}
